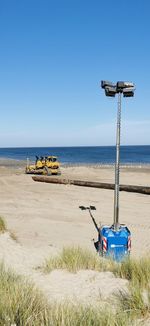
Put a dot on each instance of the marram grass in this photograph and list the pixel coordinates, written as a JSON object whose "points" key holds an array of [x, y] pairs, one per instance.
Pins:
{"points": [[135, 302], [74, 259], [3, 227], [22, 304], [137, 271], [79, 315]]}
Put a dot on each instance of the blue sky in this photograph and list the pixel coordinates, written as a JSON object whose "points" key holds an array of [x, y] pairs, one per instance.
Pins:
{"points": [[53, 55]]}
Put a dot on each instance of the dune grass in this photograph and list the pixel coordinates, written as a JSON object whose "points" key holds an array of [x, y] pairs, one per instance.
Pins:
{"points": [[135, 302], [79, 315], [132, 304], [77, 258], [137, 271], [22, 304], [3, 227]]}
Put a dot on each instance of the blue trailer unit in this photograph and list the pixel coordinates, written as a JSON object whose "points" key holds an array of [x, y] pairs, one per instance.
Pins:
{"points": [[115, 244]]}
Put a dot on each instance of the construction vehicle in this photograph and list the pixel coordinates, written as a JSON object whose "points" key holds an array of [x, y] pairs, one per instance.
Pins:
{"points": [[45, 165]]}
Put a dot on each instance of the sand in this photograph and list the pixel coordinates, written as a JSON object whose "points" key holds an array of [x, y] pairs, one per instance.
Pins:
{"points": [[46, 217]]}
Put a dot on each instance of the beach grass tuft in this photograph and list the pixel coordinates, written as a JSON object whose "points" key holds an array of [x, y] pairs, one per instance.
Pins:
{"points": [[74, 259], [135, 302], [67, 314], [22, 304], [3, 227], [137, 271]]}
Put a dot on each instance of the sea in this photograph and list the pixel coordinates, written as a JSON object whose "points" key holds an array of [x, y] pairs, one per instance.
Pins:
{"points": [[103, 155]]}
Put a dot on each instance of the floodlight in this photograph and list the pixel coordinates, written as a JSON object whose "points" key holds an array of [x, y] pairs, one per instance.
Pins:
{"points": [[128, 92], [110, 91], [121, 85], [105, 83]]}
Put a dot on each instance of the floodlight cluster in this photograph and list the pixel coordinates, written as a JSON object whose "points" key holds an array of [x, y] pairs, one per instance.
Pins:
{"points": [[111, 89]]}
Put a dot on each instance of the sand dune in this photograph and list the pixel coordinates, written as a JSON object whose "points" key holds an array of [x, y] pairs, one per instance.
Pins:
{"points": [[46, 217]]}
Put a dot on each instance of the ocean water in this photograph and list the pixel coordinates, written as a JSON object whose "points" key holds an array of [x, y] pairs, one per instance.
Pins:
{"points": [[136, 155]]}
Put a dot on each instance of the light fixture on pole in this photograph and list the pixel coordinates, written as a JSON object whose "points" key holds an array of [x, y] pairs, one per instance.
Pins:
{"points": [[115, 241]]}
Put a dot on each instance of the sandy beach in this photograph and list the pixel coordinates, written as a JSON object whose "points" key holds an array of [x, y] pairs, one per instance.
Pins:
{"points": [[46, 217]]}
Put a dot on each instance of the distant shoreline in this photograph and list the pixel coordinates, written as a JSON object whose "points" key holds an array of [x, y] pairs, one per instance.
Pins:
{"points": [[14, 163]]}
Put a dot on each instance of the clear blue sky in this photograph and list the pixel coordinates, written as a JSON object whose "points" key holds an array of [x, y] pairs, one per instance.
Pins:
{"points": [[53, 55]]}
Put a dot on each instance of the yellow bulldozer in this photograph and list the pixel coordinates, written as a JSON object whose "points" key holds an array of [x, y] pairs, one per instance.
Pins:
{"points": [[47, 165]]}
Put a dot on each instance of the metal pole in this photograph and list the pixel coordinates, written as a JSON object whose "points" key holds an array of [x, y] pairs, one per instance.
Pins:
{"points": [[117, 166]]}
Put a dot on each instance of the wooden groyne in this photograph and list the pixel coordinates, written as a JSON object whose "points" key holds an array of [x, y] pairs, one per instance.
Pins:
{"points": [[129, 188]]}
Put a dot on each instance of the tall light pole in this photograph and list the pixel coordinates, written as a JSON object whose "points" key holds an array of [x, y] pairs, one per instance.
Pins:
{"points": [[111, 89], [117, 166], [114, 241]]}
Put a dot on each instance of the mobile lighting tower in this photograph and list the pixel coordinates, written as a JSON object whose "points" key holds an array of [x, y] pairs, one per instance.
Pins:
{"points": [[115, 240]]}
